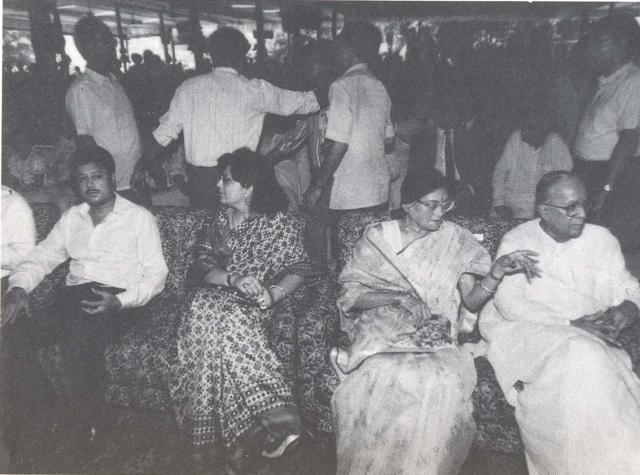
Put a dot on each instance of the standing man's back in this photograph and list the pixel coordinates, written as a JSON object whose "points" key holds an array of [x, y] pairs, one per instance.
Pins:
{"points": [[220, 112], [359, 115], [354, 177]]}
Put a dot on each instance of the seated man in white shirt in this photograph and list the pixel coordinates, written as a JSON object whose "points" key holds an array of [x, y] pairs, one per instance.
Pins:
{"points": [[115, 251], [18, 231], [553, 339]]}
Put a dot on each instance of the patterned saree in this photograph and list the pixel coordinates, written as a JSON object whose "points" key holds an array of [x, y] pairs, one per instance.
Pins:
{"points": [[227, 380]]}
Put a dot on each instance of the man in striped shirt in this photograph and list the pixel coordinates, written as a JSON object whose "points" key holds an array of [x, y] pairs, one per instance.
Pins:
{"points": [[220, 112]]}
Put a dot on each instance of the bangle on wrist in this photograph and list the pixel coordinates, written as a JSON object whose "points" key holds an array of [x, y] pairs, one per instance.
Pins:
{"points": [[229, 277], [486, 289], [283, 293]]}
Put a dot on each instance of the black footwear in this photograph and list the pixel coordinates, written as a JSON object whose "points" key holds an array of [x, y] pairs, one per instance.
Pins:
{"points": [[277, 447]]}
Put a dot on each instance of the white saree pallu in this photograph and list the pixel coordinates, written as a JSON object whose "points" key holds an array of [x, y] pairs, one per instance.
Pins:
{"points": [[577, 400]]}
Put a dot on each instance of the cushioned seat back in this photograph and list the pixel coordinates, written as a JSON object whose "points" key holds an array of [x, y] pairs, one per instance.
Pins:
{"points": [[45, 216], [350, 228], [178, 227]]}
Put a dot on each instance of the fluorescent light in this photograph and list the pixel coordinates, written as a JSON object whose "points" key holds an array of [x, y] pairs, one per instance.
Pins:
{"points": [[241, 5]]}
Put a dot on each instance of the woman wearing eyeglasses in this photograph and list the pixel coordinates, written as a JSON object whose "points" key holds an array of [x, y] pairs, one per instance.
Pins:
{"points": [[404, 401]]}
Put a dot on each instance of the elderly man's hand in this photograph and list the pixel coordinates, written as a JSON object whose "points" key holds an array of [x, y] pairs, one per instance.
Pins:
{"points": [[15, 302], [599, 324], [107, 303], [622, 315]]}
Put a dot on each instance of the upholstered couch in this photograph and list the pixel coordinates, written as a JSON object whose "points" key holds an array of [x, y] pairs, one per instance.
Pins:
{"points": [[303, 330], [139, 363]]}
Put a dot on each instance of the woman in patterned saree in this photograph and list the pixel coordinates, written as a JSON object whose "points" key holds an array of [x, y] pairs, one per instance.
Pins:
{"points": [[227, 389], [403, 404]]}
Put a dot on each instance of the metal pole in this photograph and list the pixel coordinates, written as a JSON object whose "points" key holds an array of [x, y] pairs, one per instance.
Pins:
{"points": [[196, 32], [163, 38], [124, 57], [334, 23], [173, 46], [260, 30]]}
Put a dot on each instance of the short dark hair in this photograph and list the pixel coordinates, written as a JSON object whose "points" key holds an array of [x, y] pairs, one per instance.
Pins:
{"points": [[86, 30], [93, 154], [363, 38], [621, 27], [227, 46], [421, 180], [251, 169], [318, 51], [549, 180]]}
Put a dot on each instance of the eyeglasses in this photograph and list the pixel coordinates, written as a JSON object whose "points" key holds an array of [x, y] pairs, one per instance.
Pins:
{"points": [[444, 205], [571, 209]]}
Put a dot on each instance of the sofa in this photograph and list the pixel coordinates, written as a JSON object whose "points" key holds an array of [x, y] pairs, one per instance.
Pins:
{"points": [[304, 328]]}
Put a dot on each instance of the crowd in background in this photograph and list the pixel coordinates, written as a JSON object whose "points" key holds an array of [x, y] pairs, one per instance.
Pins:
{"points": [[502, 81], [497, 134]]}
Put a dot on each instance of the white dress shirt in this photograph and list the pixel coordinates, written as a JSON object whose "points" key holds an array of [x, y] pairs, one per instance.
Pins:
{"points": [[18, 230], [615, 107], [124, 250], [359, 115], [223, 111], [100, 108], [521, 166]]}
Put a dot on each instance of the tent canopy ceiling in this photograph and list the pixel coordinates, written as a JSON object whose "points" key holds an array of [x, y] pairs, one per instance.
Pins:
{"points": [[141, 17]]}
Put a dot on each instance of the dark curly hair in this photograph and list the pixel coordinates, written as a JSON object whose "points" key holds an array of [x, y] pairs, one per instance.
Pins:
{"points": [[251, 169], [87, 29], [93, 154], [227, 46], [363, 38]]}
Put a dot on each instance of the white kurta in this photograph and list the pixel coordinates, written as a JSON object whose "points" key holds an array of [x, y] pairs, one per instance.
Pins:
{"points": [[579, 409]]}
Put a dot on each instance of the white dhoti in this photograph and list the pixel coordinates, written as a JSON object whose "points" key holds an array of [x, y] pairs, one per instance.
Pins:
{"points": [[576, 399], [578, 408]]}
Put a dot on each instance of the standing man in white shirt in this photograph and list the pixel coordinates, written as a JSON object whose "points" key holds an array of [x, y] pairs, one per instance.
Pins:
{"points": [[355, 175], [219, 112], [607, 147], [18, 231], [101, 111], [115, 250]]}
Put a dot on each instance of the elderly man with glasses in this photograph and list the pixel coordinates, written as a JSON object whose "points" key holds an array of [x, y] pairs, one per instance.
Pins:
{"points": [[553, 339]]}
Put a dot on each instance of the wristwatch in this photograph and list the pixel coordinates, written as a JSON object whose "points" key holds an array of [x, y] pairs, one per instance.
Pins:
{"points": [[607, 187]]}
